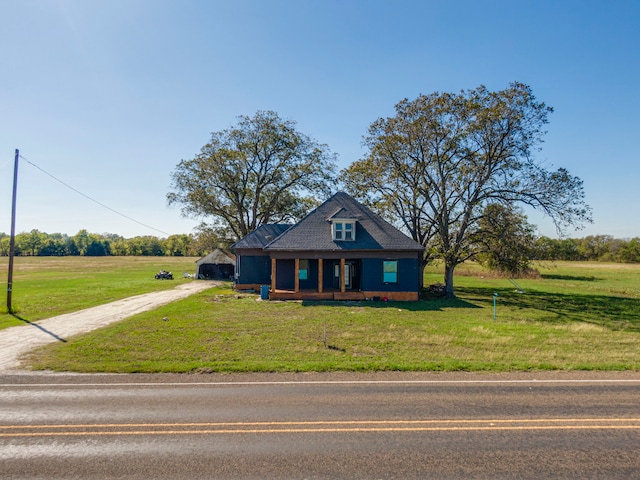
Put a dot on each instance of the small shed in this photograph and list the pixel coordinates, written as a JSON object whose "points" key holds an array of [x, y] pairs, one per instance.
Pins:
{"points": [[218, 265]]}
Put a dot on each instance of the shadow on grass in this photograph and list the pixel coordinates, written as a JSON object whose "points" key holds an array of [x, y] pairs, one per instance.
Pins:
{"points": [[615, 313], [431, 305], [570, 277], [39, 327], [338, 349]]}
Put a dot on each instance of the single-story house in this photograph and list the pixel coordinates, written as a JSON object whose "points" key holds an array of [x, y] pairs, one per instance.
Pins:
{"points": [[339, 251], [218, 265]]}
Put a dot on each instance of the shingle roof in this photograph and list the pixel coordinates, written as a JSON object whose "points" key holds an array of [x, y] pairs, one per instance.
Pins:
{"points": [[261, 236], [217, 256], [313, 232]]}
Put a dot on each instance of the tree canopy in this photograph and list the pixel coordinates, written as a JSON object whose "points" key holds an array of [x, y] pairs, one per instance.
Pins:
{"points": [[444, 157], [37, 243], [262, 170], [505, 241]]}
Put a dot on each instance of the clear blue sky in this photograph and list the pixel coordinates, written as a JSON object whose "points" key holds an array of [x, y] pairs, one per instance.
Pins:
{"points": [[109, 95]]}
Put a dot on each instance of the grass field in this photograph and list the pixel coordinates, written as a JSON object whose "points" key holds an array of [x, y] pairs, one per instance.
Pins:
{"points": [[576, 316], [47, 286]]}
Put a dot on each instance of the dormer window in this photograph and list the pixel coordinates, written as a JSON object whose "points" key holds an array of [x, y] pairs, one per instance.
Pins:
{"points": [[343, 230]]}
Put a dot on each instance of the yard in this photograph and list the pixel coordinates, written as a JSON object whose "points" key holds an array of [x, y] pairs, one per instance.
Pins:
{"points": [[44, 287], [575, 316]]}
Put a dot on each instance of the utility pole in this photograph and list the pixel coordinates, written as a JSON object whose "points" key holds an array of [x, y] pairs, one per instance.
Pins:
{"points": [[12, 241]]}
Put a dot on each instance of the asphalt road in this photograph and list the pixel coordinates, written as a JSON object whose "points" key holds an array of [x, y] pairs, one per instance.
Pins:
{"points": [[388, 425]]}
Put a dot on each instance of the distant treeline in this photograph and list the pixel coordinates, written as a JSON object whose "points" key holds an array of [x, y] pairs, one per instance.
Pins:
{"points": [[602, 248], [36, 243]]}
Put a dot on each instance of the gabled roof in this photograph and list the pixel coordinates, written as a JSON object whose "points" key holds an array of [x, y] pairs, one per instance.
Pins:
{"points": [[340, 213], [217, 256], [261, 236], [313, 232]]}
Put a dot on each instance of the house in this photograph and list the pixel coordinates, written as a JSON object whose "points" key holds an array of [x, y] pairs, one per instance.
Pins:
{"points": [[339, 251], [218, 265]]}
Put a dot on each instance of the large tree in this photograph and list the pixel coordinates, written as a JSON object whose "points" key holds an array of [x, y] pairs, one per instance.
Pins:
{"points": [[505, 241], [262, 170], [444, 157]]}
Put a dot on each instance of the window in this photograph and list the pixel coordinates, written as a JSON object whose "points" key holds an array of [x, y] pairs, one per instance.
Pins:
{"points": [[390, 271], [348, 231], [337, 231], [344, 230], [303, 272]]}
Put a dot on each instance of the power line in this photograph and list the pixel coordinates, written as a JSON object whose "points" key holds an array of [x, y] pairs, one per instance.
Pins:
{"points": [[92, 199]]}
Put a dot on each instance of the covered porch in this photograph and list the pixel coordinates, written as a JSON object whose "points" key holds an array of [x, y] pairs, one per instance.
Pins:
{"points": [[315, 279], [326, 279], [314, 295]]}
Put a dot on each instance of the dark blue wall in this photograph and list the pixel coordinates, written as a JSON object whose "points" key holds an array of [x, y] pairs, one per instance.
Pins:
{"points": [[254, 269], [285, 274], [257, 270], [311, 283], [372, 275], [328, 281]]}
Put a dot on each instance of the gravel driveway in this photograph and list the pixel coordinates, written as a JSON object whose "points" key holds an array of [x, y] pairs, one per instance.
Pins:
{"points": [[16, 341]]}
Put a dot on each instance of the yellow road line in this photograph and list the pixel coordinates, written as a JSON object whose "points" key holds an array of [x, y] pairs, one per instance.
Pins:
{"points": [[324, 422], [320, 430], [356, 426]]}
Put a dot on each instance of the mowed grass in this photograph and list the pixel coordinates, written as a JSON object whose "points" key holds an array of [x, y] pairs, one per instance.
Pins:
{"points": [[576, 316], [48, 286]]}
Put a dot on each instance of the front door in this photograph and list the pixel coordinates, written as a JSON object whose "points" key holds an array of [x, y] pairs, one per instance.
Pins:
{"points": [[348, 270], [351, 275]]}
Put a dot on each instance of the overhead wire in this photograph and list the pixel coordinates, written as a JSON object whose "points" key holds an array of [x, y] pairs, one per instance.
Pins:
{"points": [[90, 198]]}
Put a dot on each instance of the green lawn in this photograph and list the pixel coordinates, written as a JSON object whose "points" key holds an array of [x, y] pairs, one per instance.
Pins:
{"points": [[47, 286], [576, 316]]}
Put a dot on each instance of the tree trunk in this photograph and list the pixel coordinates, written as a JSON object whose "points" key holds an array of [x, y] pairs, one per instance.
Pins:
{"points": [[421, 266], [448, 280]]}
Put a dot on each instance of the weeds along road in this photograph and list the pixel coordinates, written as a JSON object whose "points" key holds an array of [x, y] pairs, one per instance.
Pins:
{"points": [[16, 341], [386, 425]]}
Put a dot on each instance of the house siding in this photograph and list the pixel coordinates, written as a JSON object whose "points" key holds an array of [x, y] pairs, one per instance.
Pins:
{"points": [[372, 275], [285, 274], [311, 283], [254, 269], [328, 279]]}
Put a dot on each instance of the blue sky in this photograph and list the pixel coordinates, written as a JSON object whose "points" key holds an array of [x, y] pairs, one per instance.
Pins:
{"points": [[108, 96]]}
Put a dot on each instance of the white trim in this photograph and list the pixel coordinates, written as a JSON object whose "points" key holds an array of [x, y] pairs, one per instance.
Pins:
{"points": [[343, 230]]}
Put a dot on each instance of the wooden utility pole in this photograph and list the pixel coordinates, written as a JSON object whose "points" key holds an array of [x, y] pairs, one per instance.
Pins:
{"points": [[12, 241]]}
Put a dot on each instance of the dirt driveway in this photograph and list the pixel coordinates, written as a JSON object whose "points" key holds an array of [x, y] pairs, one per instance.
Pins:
{"points": [[16, 341]]}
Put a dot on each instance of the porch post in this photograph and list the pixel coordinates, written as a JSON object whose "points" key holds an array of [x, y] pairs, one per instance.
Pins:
{"points": [[296, 281], [273, 274], [343, 287], [319, 275]]}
